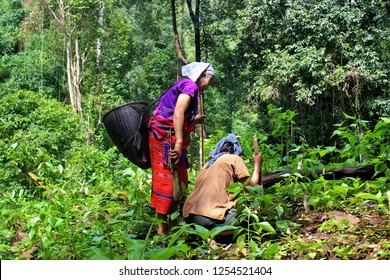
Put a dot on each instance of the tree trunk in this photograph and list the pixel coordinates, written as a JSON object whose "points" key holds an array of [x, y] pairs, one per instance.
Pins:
{"points": [[195, 20], [74, 62], [77, 79], [177, 40], [69, 69], [366, 172], [99, 41]]}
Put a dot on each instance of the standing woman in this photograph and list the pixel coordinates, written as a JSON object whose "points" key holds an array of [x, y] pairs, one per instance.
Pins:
{"points": [[173, 120]]}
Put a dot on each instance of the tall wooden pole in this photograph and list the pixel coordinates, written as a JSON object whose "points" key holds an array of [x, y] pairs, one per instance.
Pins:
{"points": [[202, 133]]}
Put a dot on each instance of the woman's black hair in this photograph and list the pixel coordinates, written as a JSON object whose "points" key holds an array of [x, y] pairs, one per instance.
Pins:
{"points": [[227, 147]]}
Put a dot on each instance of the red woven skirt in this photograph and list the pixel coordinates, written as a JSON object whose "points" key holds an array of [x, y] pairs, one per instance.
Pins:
{"points": [[162, 182]]}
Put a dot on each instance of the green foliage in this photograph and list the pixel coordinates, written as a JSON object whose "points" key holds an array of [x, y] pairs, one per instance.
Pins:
{"points": [[32, 71], [312, 58], [11, 15], [360, 144], [36, 133], [286, 71], [317, 53], [94, 206]]}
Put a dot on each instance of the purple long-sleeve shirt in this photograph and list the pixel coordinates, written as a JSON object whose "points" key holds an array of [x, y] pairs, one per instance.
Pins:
{"points": [[162, 120]]}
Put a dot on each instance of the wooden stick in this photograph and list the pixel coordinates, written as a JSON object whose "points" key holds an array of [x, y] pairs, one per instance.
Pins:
{"points": [[202, 133], [256, 152], [255, 145], [176, 193]]}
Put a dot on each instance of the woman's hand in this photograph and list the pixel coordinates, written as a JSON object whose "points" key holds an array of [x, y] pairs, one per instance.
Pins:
{"points": [[175, 153], [199, 118], [258, 159]]}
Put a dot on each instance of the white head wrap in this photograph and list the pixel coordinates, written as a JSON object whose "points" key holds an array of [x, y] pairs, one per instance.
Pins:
{"points": [[193, 70]]}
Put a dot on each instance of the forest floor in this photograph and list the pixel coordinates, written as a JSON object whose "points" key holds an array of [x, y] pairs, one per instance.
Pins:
{"points": [[352, 234]]}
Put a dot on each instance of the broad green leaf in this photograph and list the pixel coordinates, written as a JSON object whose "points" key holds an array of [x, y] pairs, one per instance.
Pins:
{"points": [[32, 234], [167, 254], [58, 223], [60, 168], [279, 209], [135, 249], [94, 253], [203, 232], [265, 226], [31, 222], [217, 230]]}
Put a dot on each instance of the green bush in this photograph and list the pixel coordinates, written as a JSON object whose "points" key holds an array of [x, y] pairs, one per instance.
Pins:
{"points": [[34, 132]]}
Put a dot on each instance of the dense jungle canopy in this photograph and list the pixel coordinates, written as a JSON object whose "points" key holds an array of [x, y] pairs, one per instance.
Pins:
{"points": [[320, 59], [310, 78]]}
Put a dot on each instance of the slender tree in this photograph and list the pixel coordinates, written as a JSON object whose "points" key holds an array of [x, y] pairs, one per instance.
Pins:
{"points": [[78, 23], [176, 33], [195, 21]]}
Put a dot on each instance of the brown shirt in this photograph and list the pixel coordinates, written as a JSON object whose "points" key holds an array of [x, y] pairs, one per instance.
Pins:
{"points": [[210, 197]]}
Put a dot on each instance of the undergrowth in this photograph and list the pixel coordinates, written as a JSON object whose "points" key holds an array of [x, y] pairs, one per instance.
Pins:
{"points": [[95, 205]]}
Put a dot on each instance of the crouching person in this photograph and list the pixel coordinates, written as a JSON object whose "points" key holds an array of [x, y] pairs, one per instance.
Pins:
{"points": [[210, 204]]}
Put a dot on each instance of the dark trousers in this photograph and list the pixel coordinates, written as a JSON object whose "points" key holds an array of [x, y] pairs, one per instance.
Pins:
{"points": [[209, 223]]}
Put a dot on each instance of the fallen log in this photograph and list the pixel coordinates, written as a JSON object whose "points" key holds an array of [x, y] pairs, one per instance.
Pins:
{"points": [[366, 172]]}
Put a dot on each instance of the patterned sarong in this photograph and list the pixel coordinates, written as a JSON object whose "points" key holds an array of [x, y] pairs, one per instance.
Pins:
{"points": [[162, 182]]}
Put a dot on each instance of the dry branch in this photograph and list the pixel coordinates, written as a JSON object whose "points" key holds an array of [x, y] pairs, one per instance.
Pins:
{"points": [[35, 178]]}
